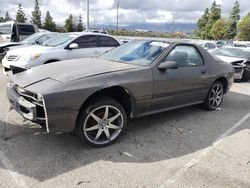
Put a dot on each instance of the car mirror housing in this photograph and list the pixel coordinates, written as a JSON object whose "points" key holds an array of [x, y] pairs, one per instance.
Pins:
{"points": [[168, 65], [73, 46]]}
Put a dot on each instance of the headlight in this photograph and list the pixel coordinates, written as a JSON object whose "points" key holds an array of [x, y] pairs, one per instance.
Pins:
{"points": [[28, 57], [40, 98]]}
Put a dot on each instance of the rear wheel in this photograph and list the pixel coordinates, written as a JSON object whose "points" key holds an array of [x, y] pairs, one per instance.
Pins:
{"points": [[214, 97], [102, 122]]}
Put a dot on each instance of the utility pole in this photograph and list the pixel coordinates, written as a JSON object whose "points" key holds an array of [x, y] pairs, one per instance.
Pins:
{"points": [[117, 17], [87, 15], [173, 26]]}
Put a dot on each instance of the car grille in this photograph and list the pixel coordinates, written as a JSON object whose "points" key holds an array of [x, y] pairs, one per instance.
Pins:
{"points": [[11, 57]]}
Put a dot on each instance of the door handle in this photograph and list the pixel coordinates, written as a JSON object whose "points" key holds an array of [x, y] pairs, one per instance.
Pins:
{"points": [[203, 70]]}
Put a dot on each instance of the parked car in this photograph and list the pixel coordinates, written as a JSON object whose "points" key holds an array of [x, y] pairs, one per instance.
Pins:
{"points": [[14, 32], [36, 38], [239, 58], [221, 43], [61, 47], [94, 96], [210, 46]]}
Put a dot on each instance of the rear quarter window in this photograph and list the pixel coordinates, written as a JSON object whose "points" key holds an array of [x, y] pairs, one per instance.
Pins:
{"points": [[107, 42]]}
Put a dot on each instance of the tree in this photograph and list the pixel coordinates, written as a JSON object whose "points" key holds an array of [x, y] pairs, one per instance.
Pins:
{"points": [[244, 29], [218, 30], [49, 24], [215, 14], [233, 20], [80, 25], [201, 25], [20, 16], [1, 19], [36, 15], [7, 17], [69, 24]]}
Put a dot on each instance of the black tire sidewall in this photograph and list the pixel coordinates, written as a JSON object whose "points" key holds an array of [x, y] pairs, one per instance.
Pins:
{"points": [[95, 103]]}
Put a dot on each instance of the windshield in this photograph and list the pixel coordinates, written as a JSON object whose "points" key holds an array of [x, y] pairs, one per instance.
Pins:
{"points": [[5, 29], [231, 52], [32, 38], [58, 40], [137, 52]]}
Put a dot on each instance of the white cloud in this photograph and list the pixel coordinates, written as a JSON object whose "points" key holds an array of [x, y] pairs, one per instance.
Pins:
{"points": [[131, 11]]}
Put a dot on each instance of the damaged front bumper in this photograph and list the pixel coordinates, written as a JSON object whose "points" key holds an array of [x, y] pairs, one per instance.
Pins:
{"points": [[29, 105], [242, 70]]}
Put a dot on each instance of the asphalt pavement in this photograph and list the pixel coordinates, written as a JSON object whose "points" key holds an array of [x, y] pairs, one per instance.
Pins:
{"points": [[188, 147]]}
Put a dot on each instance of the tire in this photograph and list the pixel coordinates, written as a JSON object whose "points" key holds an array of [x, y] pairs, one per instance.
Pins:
{"points": [[97, 130], [214, 97]]}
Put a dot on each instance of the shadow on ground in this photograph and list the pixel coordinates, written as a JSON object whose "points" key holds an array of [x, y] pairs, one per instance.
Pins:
{"points": [[151, 139]]}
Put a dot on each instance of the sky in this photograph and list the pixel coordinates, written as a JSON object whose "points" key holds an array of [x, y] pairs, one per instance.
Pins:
{"points": [[131, 11]]}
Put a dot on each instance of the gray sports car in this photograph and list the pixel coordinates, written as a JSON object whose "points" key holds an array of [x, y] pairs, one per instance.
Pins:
{"points": [[94, 96]]}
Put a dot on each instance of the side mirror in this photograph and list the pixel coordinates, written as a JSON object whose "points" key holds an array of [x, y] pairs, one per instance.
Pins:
{"points": [[73, 46], [168, 65]]}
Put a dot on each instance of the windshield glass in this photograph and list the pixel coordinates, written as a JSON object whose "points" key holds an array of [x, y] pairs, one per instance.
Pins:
{"points": [[5, 29], [231, 52], [32, 38], [137, 52], [58, 40]]}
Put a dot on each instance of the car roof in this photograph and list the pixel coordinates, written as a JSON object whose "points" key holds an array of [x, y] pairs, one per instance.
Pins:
{"points": [[88, 33], [232, 47]]}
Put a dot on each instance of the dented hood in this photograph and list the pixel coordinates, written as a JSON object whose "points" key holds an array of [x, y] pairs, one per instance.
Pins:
{"points": [[70, 70]]}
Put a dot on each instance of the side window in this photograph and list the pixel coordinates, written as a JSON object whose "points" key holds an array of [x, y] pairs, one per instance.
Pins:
{"points": [[87, 41], [107, 42], [207, 45], [212, 46], [26, 29], [185, 56]]}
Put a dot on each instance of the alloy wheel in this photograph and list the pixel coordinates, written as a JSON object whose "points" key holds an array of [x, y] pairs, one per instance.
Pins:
{"points": [[103, 124], [216, 96]]}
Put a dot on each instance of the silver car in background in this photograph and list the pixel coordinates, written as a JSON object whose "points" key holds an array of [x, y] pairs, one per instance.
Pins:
{"points": [[239, 58], [36, 38], [62, 47]]}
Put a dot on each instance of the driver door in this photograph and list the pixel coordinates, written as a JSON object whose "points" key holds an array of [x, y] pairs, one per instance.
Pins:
{"points": [[187, 84], [87, 47]]}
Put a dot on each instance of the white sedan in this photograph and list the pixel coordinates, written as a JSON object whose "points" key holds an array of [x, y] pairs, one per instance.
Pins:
{"points": [[61, 47]]}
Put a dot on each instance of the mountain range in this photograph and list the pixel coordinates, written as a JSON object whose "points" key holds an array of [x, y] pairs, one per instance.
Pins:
{"points": [[168, 27]]}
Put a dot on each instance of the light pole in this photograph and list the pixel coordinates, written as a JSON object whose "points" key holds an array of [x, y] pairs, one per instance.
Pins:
{"points": [[87, 15], [117, 17], [173, 26]]}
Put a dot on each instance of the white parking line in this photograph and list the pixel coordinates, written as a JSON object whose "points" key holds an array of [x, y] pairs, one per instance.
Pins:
{"points": [[205, 152], [6, 162]]}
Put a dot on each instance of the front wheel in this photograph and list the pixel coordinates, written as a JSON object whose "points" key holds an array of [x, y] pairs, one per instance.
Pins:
{"points": [[214, 97], [102, 122]]}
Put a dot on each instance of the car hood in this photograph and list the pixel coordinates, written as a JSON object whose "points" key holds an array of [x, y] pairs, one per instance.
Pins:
{"points": [[6, 44], [29, 50], [70, 70], [230, 59]]}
